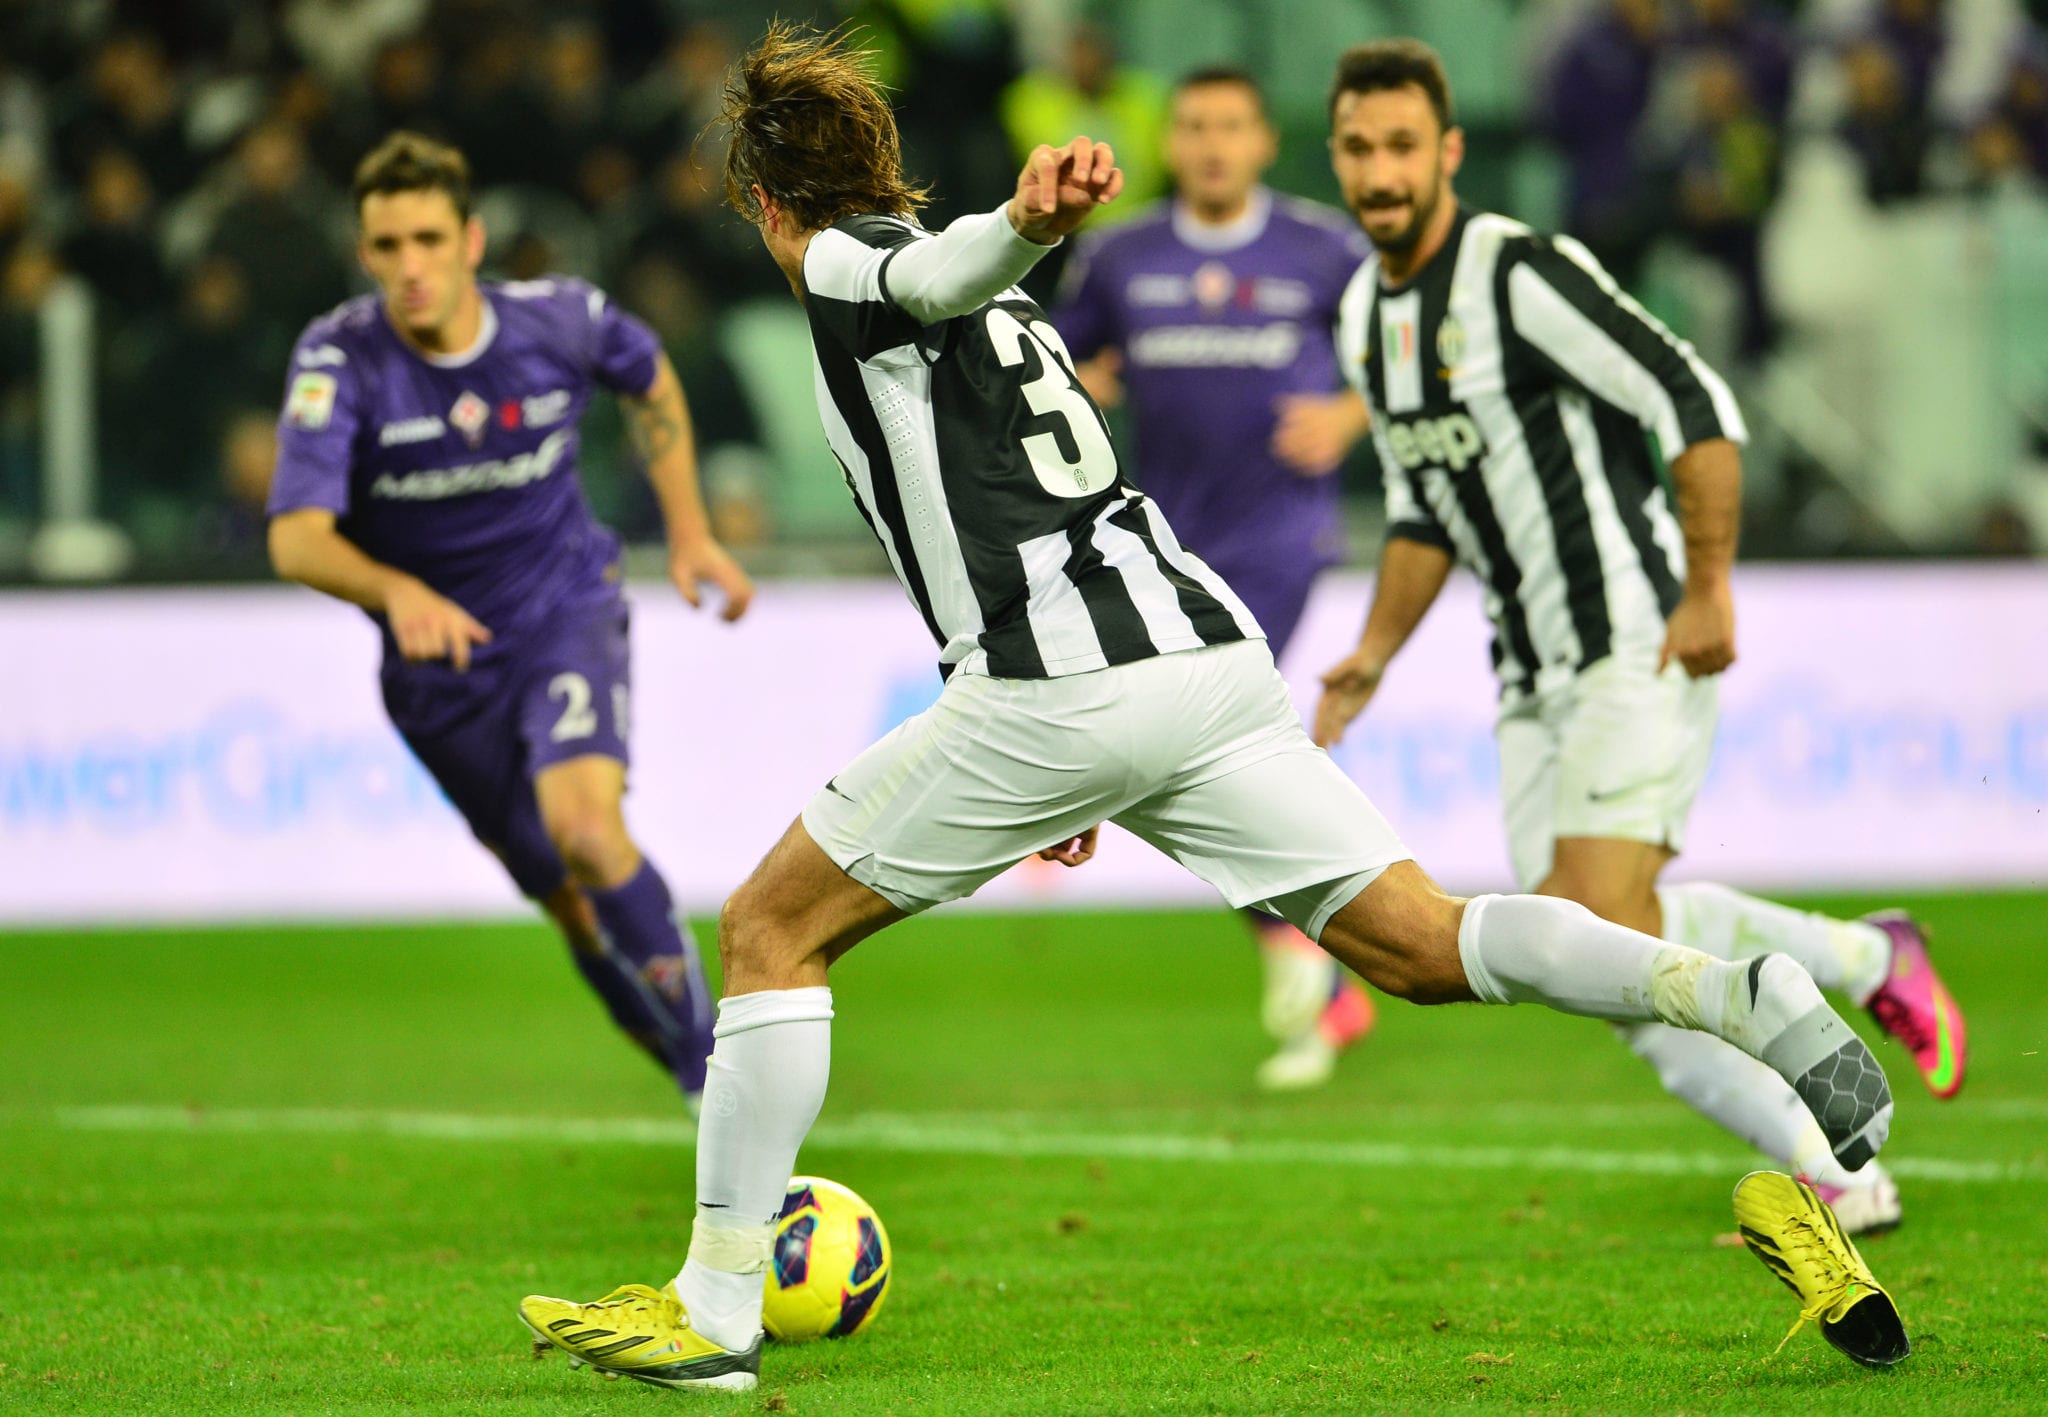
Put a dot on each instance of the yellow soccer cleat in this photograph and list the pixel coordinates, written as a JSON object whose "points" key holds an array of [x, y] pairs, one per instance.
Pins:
{"points": [[1798, 1239], [642, 1333]]}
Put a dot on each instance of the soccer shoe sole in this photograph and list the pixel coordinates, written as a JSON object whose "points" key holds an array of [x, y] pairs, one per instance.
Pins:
{"points": [[1837, 1077], [1870, 1331], [743, 1377]]}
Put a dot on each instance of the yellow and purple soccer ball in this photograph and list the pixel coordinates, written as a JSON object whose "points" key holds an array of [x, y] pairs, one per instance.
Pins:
{"points": [[830, 1270]]}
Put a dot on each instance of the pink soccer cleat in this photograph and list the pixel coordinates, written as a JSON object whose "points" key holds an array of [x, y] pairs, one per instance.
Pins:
{"points": [[1913, 1006]]}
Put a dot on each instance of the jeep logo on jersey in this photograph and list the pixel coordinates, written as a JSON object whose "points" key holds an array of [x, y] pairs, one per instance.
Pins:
{"points": [[470, 414], [1452, 441]]}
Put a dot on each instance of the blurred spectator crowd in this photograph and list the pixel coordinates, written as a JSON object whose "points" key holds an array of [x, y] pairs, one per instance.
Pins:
{"points": [[188, 160]]}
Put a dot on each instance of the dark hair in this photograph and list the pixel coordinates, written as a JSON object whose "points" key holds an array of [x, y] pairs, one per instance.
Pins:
{"points": [[1393, 64], [808, 124], [411, 162], [1222, 74]]}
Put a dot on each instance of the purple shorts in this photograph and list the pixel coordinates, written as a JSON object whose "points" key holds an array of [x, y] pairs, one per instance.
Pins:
{"points": [[1275, 594], [562, 691]]}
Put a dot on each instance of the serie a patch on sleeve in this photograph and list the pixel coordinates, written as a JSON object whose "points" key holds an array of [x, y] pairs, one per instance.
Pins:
{"points": [[311, 403]]}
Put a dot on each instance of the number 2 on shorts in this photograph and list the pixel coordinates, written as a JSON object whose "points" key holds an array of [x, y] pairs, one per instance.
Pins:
{"points": [[579, 719]]}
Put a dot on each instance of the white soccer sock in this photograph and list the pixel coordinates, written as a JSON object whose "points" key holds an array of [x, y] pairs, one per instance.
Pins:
{"points": [[1529, 949], [765, 1084], [1850, 955]]}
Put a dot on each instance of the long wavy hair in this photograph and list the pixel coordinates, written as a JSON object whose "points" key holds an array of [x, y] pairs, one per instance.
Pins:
{"points": [[806, 121]]}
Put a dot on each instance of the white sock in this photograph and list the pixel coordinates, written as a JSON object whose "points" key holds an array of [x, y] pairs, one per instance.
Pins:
{"points": [[1850, 955], [1529, 949], [764, 1086], [1725, 1085]]}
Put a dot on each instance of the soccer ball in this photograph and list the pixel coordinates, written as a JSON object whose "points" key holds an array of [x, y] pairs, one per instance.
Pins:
{"points": [[831, 1263]]}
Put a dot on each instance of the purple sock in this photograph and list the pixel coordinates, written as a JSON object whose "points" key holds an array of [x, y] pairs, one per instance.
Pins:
{"points": [[639, 923]]}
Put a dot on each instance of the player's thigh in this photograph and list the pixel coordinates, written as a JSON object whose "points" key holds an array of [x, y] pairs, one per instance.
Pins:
{"points": [[480, 766], [994, 771], [1527, 741], [1613, 877], [1257, 810], [1632, 752], [795, 914], [583, 795]]}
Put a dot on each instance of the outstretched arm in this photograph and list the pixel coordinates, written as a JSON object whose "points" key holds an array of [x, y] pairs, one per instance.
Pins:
{"points": [[659, 423], [1411, 575], [979, 257], [306, 547]]}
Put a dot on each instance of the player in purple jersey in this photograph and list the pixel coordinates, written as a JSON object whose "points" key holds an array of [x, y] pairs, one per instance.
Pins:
{"points": [[1210, 317], [427, 472]]}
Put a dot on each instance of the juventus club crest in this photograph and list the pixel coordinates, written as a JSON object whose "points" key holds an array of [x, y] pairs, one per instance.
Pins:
{"points": [[1450, 343], [469, 415]]}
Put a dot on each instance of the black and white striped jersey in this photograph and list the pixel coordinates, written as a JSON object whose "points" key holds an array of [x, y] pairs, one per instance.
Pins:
{"points": [[988, 476], [1512, 385]]}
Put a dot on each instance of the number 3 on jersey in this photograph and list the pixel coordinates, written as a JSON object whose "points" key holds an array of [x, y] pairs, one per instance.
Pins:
{"points": [[1054, 391]]}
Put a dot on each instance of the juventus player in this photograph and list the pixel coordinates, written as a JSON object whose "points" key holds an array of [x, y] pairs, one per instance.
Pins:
{"points": [[426, 472], [1094, 671], [1512, 386]]}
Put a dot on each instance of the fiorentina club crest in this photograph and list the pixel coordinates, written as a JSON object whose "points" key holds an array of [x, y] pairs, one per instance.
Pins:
{"points": [[469, 415]]}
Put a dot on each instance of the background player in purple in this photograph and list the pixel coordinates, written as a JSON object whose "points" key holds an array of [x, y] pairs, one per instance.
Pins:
{"points": [[427, 472], [1210, 316]]}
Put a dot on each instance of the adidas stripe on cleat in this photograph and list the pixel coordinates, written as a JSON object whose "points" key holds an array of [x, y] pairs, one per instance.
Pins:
{"points": [[1796, 1237], [639, 1333]]}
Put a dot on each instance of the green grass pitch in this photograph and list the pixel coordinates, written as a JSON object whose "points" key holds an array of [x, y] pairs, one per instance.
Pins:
{"points": [[312, 1171]]}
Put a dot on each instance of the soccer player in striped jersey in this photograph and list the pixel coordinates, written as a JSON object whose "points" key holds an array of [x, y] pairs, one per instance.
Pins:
{"points": [[426, 472], [1095, 671], [1513, 386], [1211, 316]]}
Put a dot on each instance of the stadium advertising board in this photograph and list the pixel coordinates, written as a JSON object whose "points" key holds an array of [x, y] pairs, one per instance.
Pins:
{"points": [[221, 754]]}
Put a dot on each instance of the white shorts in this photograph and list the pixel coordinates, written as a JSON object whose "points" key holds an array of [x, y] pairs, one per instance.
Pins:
{"points": [[1618, 752], [1199, 753]]}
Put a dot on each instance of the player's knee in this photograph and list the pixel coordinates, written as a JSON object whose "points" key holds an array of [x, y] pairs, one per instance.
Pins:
{"points": [[1403, 941], [753, 942], [594, 846]]}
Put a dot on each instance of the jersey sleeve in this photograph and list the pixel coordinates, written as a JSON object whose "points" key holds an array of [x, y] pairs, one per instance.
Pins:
{"points": [[1408, 516], [624, 352], [1566, 307], [1085, 312], [844, 293], [316, 430]]}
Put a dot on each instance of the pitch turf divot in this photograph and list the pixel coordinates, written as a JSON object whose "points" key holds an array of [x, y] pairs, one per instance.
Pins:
{"points": [[992, 1135]]}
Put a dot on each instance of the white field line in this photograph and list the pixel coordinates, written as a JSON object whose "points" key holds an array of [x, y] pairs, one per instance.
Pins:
{"points": [[972, 1135]]}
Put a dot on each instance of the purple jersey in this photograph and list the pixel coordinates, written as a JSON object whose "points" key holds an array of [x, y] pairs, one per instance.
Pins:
{"points": [[462, 470], [1215, 325]]}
